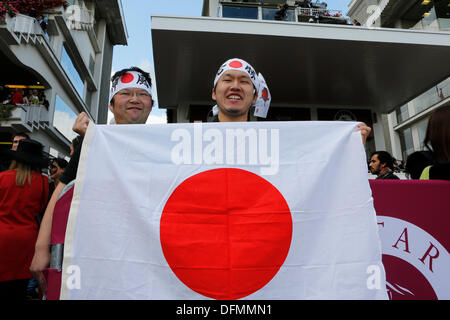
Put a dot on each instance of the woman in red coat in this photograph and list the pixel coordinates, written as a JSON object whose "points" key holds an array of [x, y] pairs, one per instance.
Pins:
{"points": [[23, 196]]}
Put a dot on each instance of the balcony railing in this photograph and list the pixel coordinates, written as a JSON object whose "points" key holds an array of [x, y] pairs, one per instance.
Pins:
{"points": [[267, 11], [25, 27], [24, 117], [79, 17], [320, 12]]}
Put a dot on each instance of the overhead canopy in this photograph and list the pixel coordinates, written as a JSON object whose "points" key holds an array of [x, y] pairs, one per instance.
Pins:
{"points": [[303, 64], [112, 11]]}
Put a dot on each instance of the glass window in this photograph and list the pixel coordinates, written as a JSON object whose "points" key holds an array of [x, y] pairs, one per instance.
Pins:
{"points": [[422, 130], [402, 114], [444, 24], [64, 118], [240, 12], [406, 141], [444, 89], [72, 72], [426, 100], [271, 13]]}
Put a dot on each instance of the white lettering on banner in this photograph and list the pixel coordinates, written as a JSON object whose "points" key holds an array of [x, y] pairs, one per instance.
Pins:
{"points": [[241, 147], [421, 250]]}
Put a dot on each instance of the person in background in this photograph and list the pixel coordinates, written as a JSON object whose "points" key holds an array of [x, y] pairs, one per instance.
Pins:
{"points": [[131, 103], [4, 161], [34, 97], [16, 139], [43, 101], [416, 162], [23, 196], [382, 165], [76, 142], [437, 140], [57, 168], [17, 97]]}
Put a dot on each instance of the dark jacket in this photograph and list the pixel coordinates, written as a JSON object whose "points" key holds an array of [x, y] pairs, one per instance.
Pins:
{"points": [[389, 174]]}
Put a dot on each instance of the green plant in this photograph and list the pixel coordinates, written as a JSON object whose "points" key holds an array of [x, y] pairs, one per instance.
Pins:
{"points": [[31, 8], [6, 111]]}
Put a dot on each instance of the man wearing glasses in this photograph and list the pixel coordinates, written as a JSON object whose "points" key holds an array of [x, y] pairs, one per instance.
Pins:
{"points": [[131, 103]]}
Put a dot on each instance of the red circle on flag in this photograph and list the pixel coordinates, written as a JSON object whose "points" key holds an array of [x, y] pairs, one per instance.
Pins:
{"points": [[235, 64], [127, 78], [225, 233]]}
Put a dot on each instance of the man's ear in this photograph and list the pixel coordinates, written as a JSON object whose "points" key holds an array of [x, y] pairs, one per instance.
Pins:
{"points": [[111, 108], [255, 98], [213, 94]]}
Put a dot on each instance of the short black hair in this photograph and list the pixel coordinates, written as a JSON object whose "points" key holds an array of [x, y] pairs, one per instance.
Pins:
{"points": [[417, 161], [61, 162], [384, 157], [122, 72]]}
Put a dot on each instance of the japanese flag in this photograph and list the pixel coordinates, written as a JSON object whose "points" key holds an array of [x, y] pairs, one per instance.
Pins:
{"points": [[273, 210]]}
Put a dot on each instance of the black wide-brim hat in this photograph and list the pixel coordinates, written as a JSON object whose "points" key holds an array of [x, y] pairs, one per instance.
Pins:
{"points": [[29, 152]]}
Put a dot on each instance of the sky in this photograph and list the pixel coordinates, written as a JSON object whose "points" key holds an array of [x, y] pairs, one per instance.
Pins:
{"points": [[139, 51]]}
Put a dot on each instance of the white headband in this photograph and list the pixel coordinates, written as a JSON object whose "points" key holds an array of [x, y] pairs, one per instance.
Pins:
{"points": [[240, 65], [131, 79], [264, 98]]}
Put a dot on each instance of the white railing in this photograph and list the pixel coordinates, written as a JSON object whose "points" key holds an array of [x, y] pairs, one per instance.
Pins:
{"points": [[37, 115], [25, 26], [79, 17], [32, 116], [319, 12]]}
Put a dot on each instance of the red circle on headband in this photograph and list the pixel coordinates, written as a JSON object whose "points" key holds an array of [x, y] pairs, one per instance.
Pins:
{"points": [[127, 78], [235, 64]]}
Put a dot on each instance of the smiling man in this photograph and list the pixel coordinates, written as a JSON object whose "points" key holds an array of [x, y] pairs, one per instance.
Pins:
{"points": [[237, 87], [131, 96], [235, 90], [131, 103]]}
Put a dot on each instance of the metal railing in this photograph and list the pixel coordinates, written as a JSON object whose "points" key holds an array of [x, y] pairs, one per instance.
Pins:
{"points": [[319, 12], [29, 116], [25, 26], [432, 97], [298, 13], [79, 17]]}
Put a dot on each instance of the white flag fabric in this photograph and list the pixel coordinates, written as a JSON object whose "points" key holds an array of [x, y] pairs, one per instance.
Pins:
{"points": [[254, 210]]}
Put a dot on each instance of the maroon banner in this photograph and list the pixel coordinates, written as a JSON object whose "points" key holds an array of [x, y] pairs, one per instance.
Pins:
{"points": [[413, 219], [59, 224]]}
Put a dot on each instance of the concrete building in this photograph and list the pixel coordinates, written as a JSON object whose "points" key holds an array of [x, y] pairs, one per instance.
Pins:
{"points": [[405, 127], [315, 70], [69, 57]]}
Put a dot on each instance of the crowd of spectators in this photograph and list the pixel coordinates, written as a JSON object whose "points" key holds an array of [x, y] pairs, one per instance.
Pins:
{"points": [[28, 176], [26, 97], [431, 163]]}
